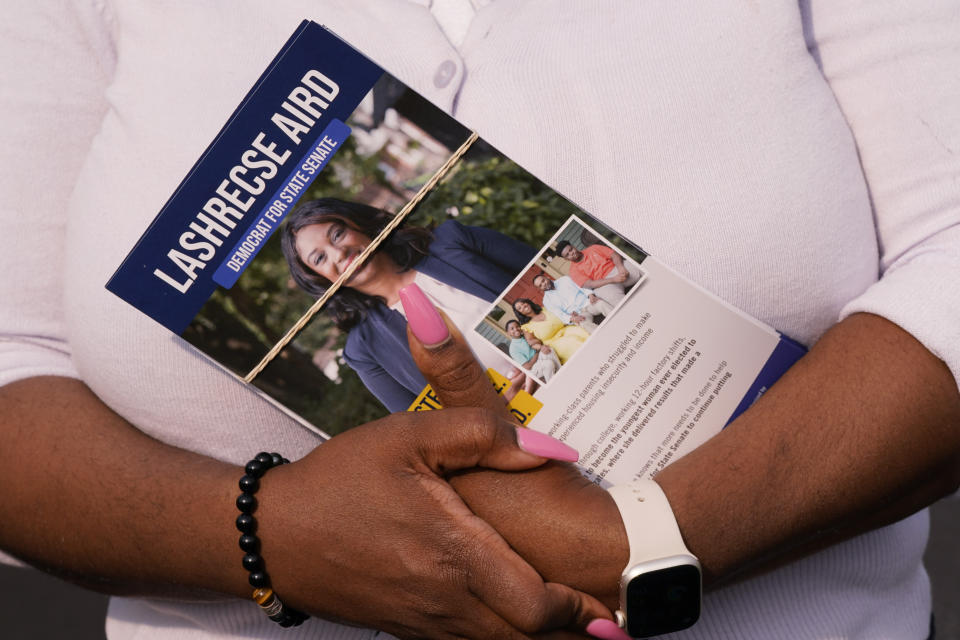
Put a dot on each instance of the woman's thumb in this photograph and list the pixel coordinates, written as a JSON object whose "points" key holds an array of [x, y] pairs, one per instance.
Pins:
{"points": [[444, 357]]}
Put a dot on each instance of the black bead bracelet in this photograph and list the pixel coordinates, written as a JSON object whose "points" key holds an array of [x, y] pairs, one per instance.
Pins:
{"points": [[259, 579]]}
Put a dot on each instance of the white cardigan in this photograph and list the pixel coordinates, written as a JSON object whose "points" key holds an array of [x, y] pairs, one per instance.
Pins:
{"points": [[800, 162]]}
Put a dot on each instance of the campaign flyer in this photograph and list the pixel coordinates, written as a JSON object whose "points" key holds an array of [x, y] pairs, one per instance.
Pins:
{"points": [[281, 254]]}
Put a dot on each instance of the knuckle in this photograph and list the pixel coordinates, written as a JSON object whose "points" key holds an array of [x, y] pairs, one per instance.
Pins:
{"points": [[486, 429], [460, 376], [475, 423], [463, 548], [535, 615], [463, 435], [580, 615], [475, 554], [484, 421], [458, 549], [433, 609]]}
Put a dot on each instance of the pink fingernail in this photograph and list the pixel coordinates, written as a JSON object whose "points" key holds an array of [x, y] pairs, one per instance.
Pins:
{"points": [[424, 319], [540, 444], [606, 630]]}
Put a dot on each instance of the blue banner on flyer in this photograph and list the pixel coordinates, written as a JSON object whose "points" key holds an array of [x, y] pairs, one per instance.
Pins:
{"points": [[263, 226], [315, 80]]}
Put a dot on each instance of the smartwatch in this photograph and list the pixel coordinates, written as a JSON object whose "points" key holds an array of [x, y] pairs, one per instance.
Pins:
{"points": [[660, 588]]}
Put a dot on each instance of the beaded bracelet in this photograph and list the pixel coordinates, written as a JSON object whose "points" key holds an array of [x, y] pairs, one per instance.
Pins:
{"points": [[263, 595]]}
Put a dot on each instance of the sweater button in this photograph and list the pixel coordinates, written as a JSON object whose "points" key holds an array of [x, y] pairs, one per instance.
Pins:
{"points": [[444, 74]]}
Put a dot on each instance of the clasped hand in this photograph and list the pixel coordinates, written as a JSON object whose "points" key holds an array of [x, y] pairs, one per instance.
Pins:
{"points": [[367, 529]]}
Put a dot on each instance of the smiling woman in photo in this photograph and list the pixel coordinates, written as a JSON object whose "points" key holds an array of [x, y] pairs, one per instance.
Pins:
{"points": [[462, 269], [540, 325]]}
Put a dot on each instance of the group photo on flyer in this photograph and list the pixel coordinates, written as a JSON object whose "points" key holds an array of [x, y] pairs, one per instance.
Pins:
{"points": [[559, 300]]}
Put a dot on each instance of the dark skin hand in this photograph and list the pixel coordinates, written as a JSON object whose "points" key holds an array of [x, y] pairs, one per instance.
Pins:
{"points": [[433, 546], [573, 517], [363, 529], [862, 432]]}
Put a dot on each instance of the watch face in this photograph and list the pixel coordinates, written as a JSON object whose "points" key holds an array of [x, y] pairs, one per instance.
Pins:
{"points": [[663, 600]]}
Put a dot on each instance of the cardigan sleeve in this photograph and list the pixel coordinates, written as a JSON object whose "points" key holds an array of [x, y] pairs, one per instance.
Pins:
{"points": [[51, 103], [893, 69]]}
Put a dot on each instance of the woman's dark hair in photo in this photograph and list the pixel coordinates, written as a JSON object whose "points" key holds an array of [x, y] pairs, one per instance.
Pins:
{"points": [[523, 319], [406, 245]]}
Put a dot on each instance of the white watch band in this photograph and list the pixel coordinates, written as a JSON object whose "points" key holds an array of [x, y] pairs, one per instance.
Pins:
{"points": [[657, 553], [652, 530]]}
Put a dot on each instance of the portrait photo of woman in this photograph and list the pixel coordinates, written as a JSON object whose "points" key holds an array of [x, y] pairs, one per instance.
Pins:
{"points": [[462, 269]]}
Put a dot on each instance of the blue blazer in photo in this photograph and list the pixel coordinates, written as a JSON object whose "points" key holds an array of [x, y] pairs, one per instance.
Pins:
{"points": [[479, 261]]}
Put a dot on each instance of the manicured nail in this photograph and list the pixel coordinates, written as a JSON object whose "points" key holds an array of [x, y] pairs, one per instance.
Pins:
{"points": [[540, 444], [606, 630], [424, 319]]}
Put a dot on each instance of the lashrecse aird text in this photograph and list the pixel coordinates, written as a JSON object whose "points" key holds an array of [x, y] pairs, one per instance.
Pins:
{"points": [[279, 138]]}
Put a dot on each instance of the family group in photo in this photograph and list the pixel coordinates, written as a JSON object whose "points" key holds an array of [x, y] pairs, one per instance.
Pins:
{"points": [[544, 336]]}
